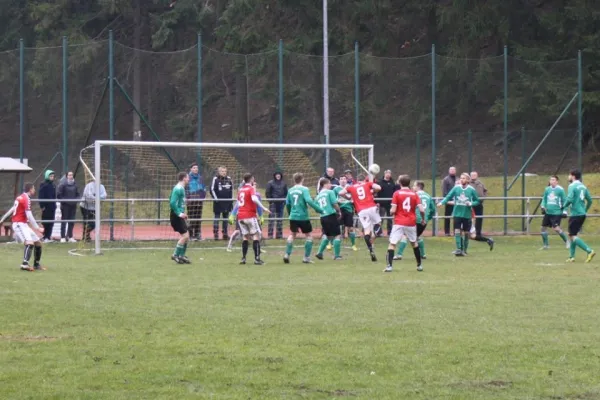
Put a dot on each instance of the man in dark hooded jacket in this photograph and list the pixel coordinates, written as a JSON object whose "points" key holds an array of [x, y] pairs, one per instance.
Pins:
{"points": [[48, 192], [276, 189], [68, 193]]}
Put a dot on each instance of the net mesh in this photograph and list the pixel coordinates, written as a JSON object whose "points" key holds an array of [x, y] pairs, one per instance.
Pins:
{"points": [[139, 179]]}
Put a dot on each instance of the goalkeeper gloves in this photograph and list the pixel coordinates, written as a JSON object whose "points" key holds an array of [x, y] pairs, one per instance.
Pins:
{"points": [[231, 219], [261, 219]]}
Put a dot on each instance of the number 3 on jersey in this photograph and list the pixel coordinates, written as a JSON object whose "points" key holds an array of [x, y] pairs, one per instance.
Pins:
{"points": [[241, 199]]}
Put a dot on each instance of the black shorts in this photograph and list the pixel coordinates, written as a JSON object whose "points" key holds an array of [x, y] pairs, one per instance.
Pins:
{"points": [[331, 225], [347, 218], [463, 224], [551, 221], [179, 225], [575, 224], [300, 226], [420, 229]]}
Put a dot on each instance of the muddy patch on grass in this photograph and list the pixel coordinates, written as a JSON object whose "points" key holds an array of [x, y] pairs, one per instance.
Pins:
{"points": [[335, 393], [494, 384], [29, 339]]}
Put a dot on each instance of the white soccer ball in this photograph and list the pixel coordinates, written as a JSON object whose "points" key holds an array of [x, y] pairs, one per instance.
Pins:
{"points": [[374, 169]]}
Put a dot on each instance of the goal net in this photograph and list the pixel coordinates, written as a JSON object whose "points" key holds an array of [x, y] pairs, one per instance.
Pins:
{"points": [[138, 178]]}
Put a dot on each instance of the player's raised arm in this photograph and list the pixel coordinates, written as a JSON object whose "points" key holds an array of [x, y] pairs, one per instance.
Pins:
{"points": [[375, 187], [259, 204]]}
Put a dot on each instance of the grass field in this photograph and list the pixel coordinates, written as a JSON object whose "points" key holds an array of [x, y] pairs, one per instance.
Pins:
{"points": [[515, 323]]}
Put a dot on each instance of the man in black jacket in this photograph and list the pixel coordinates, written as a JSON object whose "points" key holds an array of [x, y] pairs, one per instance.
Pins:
{"points": [[276, 189], [221, 190], [329, 174], [447, 185], [48, 192], [388, 187]]}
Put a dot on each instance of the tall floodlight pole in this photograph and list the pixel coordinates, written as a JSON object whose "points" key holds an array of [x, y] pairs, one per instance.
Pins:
{"points": [[325, 83]]}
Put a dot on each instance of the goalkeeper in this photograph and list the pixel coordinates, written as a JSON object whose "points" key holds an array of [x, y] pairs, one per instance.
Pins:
{"points": [[237, 232]]}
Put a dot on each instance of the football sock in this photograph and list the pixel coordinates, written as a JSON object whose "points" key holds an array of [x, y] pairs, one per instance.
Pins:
{"points": [[390, 257], [377, 229], [288, 247], [27, 252], [368, 242], [417, 254], [37, 254], [184, 249], [308, 245], [178, 250], [422, 247], [458, 241], [352, 238], [480, 238], [582, 245], [256, 248], [562, 236], [465, 242], [323, 245], [244, 248], [337, 246], [572, 248], [545, 238], [401, 247]]}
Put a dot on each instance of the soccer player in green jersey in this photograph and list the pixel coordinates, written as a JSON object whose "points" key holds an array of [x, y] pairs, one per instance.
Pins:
{"points": [[553, 201], [297, 202], [347, 209], [580, 201], [464, 197], [330, 219], [178, 218], [429, 208]]}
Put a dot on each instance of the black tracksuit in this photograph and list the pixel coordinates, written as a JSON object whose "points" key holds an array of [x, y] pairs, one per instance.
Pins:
{"points": [[388, 187], [221, 188]]}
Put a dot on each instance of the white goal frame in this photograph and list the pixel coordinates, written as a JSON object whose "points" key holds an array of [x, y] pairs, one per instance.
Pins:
{"points": [[98, 144]]}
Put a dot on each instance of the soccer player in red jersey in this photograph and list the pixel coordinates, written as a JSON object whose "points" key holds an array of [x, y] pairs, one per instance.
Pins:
{"points": [[21, 220], [364, 203], [405, 203], [247, 215]]}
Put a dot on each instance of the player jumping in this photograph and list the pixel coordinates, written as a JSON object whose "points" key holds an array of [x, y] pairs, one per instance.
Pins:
{"points": [[330, 215], [464, 197], [248, 205], [178, 218], [297, 201], [553, 201], [580, 201], [364, 201], [429, 209], [405, 206], [22, 222]]}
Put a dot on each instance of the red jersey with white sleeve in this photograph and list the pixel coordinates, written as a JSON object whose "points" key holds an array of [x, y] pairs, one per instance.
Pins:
{"points": [[362, 197], [247, 207], [406, 202], [22, 205]]}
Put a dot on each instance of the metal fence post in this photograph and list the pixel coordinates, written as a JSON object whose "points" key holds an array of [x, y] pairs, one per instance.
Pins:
{"points": [[356, 94], [199, 100], [470, 155], [433, 149], [65, 105], [111, 126], [523, 157], [418, 155], [505, 139], [579, 111]]}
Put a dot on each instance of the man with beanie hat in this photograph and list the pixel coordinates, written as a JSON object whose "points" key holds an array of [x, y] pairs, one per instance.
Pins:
{"points": [[276, 193], [48, 192]]}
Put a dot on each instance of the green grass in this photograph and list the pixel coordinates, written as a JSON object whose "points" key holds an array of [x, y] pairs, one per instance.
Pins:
{"points": [[515, 323]]}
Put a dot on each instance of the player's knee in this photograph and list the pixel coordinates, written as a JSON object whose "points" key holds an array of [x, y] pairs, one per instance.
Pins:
{"points": [[403, 240], [457, 231]]}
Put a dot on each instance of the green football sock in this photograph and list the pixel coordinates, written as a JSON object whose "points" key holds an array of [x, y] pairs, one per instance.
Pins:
{"points": [[323, 245], [337, 247], [572, 248], [288, 247], [184, 249], [458, 241], [352, 238], [545, 238], [178, 250], [562, 236], [465, 242], [308, 248], [422, 247], [582, 245], [401, 247]]}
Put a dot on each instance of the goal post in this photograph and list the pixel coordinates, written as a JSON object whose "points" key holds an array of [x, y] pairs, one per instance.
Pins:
{"points": [[138, 178]]}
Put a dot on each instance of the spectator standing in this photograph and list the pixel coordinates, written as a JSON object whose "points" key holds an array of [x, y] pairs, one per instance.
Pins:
{"points": [[195, 194], [447, 185], [68, 192], [276, 193], [48, 192], [388, 188], [221, 191], [329, 174], [478, 209], [349, 177], [88, 208]]}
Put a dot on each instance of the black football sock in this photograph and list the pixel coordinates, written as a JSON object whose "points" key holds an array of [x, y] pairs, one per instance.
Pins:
{"points": [[481, 238], [390, 257], [27, 253], [244, 248], [368, 242], [417, 255], [256, 248], [376, 229], [37, 255]]}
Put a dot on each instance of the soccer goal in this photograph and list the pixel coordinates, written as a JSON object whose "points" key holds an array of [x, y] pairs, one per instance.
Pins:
{"points": [[138, 178]]}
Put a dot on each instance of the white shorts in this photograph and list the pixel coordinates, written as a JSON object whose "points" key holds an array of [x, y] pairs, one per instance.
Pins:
{"points": [[368, 218], [399, 230], [23, 233], [249, 226]]}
